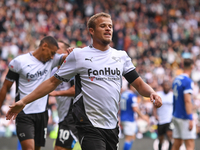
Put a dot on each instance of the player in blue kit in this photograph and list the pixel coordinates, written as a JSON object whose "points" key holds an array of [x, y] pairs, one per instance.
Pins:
{"points": [[128, 108], [184, 126]]}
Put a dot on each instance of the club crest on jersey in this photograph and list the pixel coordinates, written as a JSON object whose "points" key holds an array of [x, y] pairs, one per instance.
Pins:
{"points": [[117, 59], [22, 134]]}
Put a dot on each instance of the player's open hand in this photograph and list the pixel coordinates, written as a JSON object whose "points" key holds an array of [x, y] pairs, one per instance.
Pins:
{"points": [[14, 110], [190, 125], [156, 99]]}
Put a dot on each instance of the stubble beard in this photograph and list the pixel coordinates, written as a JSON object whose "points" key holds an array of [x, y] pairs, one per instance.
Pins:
{"points": [[166, 91], [106, 42]]}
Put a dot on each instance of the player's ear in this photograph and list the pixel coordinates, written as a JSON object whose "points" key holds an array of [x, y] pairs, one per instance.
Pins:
{"points": [[44, 46], [91, 30]]}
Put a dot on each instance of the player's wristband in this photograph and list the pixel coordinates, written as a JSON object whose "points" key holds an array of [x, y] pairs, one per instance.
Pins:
{"points": [[190, 116]]}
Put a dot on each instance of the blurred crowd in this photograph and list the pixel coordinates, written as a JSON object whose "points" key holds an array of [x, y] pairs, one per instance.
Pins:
{"points": [[156, 34]]}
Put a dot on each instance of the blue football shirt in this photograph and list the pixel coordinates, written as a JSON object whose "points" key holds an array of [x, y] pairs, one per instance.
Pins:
{"points": [[127, 102], [182, 84]]}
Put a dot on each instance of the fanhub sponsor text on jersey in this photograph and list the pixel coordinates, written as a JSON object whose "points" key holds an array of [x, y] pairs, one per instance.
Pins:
{"points": [[105, 71], [36, 75]]}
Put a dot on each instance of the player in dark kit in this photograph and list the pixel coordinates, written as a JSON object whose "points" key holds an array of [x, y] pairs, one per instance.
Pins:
{"points": [[98, 70], [28, 71]]}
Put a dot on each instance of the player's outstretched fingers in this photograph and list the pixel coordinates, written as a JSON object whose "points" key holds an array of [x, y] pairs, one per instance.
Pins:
{"points": [[9, 115], [69, 50]]}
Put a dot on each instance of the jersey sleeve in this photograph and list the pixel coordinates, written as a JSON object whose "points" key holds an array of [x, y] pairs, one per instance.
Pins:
{"points": [[129, 71], [54, 71], [57, 60], [67, 69], [134, 101], [128, 65], [15, 65], [12, 76], [188, 87]]}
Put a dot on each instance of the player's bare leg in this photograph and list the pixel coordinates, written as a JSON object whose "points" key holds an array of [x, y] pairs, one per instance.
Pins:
{"points": [[61, 148], [189, 144], [29, 145], [177, 143]]}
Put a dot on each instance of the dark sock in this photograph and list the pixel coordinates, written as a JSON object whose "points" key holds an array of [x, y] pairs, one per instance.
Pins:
{"points": [[170, 145], [159, 146]]}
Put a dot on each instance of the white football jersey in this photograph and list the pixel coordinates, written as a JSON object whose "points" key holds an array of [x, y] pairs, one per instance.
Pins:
{"points": [[63, 102], [165, 111], [98, 80], [32, 73]]}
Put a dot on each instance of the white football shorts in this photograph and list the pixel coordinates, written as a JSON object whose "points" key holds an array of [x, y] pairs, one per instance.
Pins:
{"points": [[181, 129], [129, 128]]}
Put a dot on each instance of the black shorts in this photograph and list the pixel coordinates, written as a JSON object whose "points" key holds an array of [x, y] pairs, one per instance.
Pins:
{"points": [[67, 135], [92, 138], [162, 129], [32, 126]]}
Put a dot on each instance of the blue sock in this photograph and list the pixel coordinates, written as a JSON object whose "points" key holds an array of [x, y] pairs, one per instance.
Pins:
{"points": [[19, 145], [128, 145]]}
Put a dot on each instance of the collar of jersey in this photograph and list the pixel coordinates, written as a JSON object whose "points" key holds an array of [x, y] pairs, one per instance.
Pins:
{"points": [[106, 51], [184, 74]]}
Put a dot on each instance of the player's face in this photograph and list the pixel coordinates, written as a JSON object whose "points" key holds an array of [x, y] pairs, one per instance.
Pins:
{"points": [[49, 52], [166, 87], [61, 49], [102, 33]]}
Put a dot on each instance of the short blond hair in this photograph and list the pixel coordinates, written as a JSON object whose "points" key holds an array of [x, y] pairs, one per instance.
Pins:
{"points": [[91, 21]]}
